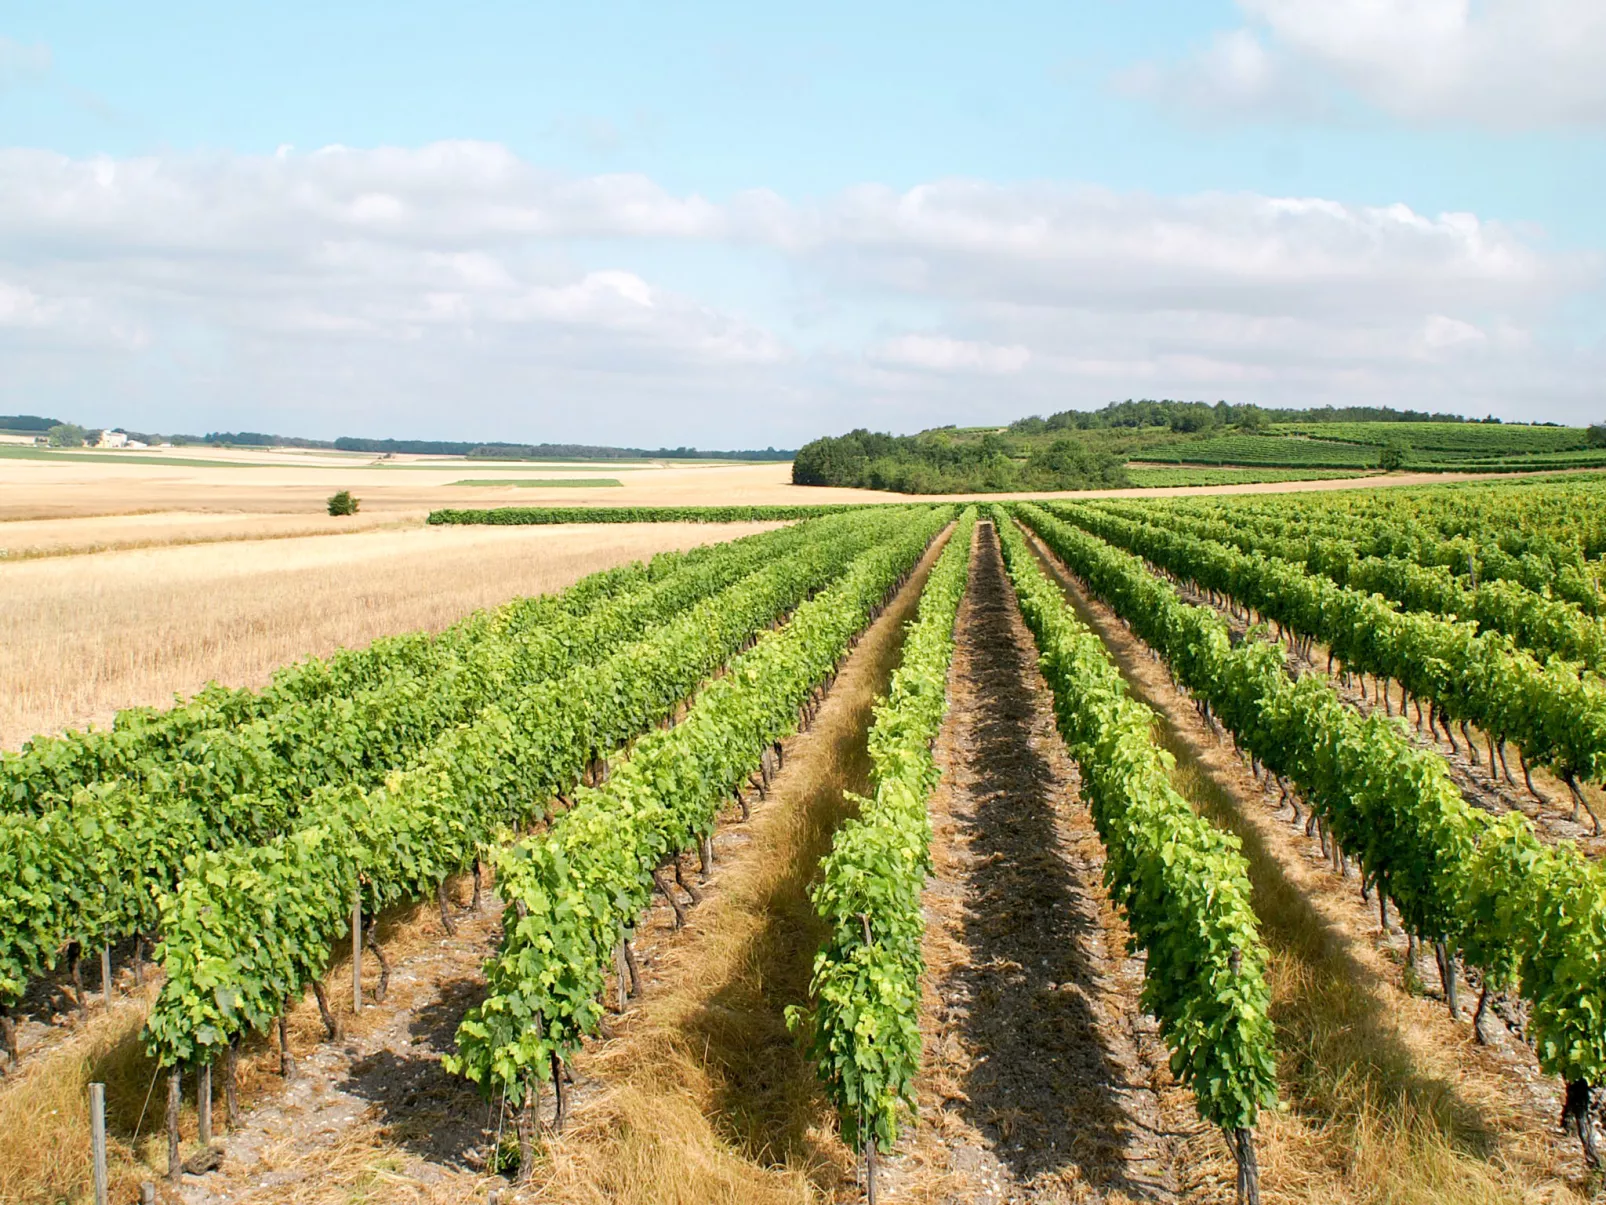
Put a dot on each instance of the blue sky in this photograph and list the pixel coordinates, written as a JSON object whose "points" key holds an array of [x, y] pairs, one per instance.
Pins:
{"points": [[731, 224]]}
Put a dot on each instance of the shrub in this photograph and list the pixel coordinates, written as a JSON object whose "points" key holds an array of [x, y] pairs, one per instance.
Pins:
{"points": [[67, 435], [343, 503]]}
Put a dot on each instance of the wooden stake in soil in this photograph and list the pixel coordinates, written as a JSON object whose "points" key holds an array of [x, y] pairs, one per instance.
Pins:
{"points": [[231, 1070], [620, 974], [106, 974], [356, 953], [203, 1102], [175, 1097], [76, 955], [97, 1139]]}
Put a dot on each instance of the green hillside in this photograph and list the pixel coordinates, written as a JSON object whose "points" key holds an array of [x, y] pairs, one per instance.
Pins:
{"points": [[1110, 447]]}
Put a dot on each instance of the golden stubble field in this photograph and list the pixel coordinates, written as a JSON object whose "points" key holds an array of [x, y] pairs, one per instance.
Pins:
{"points": [[125, 580], [88, 634]]}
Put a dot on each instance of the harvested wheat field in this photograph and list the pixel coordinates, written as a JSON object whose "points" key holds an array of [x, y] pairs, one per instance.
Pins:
{"points": [[88, 635]]}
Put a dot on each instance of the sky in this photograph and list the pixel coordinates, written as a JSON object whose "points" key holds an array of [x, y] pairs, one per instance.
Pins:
{"points": [[745, 225]]}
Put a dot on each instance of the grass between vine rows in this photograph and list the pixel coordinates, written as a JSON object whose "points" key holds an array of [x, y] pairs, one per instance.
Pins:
{"points": [[1388, 1103], [704, 1095], [45, 1106], [709, 1040]]}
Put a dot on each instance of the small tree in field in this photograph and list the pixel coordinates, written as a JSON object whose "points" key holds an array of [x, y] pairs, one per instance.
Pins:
{"points": [[343, 503]]}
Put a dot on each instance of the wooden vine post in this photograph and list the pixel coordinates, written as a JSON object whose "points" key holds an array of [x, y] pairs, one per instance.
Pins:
{"points": [[106, 974], [97, 1139], [356, 953], [203, 1102], [870, 1144], [1242, 1139], [175, 1097]]}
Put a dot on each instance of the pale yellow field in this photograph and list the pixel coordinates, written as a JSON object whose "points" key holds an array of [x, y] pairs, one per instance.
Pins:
{"points": [[33, 489], [125, 583], [86, 635]]}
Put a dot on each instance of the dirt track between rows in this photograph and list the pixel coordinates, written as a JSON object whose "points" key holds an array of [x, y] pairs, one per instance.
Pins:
{"points": [[1043, 1080]]}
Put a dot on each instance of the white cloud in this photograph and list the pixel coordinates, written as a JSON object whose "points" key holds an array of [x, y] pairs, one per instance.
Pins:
{"points": [[941, 354], [1235, 74], [456, 288], [1506, 64]]}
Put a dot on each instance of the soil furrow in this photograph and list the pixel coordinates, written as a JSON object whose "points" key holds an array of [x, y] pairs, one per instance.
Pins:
{"points": [[1043, 1079]]}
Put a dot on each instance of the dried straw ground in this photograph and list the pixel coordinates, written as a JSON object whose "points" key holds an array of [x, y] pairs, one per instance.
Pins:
{"points": [[1042, 1078], [704, 1097], [88, 635], [261, 484]]}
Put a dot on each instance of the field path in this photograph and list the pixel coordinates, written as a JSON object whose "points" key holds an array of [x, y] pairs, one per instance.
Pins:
{"points": [[1043, 1079]]}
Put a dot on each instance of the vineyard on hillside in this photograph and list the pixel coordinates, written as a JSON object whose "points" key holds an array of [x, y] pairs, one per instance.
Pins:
{"points": [[1417, 675]]}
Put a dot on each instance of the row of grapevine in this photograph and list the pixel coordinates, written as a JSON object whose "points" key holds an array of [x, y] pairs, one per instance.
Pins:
{"points": [[296, 731], [1181, 883], [574, 892], [515, 516], [862, 1024], [1540, 535], [94, 872], [248, 928], [1532, 916], [1553, 713], [1534, 621]]}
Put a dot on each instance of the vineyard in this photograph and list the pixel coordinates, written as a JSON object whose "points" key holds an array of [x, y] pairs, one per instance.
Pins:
{"points": [[1212, 849]]}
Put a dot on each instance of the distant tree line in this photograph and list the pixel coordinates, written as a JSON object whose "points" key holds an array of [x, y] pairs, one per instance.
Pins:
{"points": [[416, 447], [935, 463], [513, 451], [28, 422], [1192, 417], [1054, 453]]}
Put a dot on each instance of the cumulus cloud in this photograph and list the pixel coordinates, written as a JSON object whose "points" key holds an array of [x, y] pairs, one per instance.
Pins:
{"points": [[941, 354], [456, 287], [1507, 64], [1235, 74]]}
